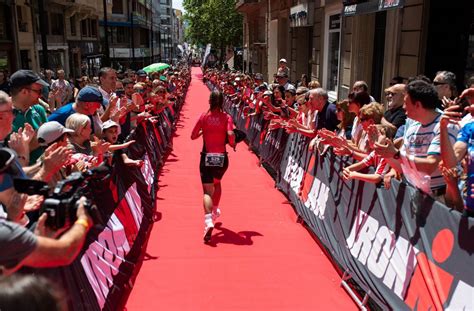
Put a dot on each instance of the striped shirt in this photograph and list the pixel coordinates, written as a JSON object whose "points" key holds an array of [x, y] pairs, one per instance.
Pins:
{"points": [[380, 164], [421, 141]]}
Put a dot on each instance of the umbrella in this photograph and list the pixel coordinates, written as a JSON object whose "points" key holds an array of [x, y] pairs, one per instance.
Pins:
{"points": [[155, 67]]}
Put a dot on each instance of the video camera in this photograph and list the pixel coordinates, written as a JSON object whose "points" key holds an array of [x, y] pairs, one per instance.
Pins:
{"points": [[61, 206]]}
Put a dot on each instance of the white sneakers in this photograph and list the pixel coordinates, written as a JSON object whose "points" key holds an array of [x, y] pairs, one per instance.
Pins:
{"points": [[208, 227], [216, 213]]}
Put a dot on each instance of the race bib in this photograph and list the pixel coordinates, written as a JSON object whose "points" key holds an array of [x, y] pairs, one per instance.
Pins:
{"points": [[214, 159]]}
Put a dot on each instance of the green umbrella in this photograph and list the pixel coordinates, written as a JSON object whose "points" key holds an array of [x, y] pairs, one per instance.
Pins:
{"points": [[155, 67]]}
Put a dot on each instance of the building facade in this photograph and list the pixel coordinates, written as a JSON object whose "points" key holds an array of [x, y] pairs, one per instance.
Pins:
{"points": [[75, 37], [339, 42]]}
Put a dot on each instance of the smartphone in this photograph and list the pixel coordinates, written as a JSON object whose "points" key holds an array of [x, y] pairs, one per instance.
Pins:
{"points": [[120, 93]]}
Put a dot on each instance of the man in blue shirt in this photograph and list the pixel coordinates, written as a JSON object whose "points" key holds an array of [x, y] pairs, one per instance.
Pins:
{"points": [[88, 101]]}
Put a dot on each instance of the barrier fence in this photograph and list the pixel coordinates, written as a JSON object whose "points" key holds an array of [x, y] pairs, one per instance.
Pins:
{"points": [[403, 249], [102, 276]]}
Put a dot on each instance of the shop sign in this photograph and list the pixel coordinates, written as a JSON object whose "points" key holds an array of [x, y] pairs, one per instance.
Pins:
{"points": [[300, 15], [372, 6]]}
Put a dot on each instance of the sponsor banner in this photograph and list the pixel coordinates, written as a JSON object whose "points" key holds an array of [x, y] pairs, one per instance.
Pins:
{"points": [[400, 246], [406, 250]]}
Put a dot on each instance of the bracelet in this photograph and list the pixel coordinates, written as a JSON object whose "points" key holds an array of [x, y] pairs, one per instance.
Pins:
{"points": [[83, 223]]}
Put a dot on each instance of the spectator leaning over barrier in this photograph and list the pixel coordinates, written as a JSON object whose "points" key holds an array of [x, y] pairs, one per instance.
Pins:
{"points": [[419, 156], [110, 134], [395, 114], [377, 133], [369, 115], [458, 196], [26, 89], [30, 293], [45, 247], [89, 154], [88, 102], [321, 114]]}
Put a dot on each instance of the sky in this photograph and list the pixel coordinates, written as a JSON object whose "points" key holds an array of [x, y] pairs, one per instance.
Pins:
{"points": [[178, 4]]}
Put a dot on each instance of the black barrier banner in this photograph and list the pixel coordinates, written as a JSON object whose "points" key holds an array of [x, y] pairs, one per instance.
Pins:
{"points": [[407, 251], [102, 276]]}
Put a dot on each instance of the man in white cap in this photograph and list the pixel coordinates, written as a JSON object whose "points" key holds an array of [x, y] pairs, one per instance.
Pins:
{"points": [[283, 68]]}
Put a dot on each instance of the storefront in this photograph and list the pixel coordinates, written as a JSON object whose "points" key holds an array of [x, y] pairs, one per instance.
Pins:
{"points": [[79, 54], [301, 27]]}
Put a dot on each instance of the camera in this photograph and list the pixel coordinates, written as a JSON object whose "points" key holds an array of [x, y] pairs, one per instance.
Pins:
{"points": [[61, 206], [120, 93]]}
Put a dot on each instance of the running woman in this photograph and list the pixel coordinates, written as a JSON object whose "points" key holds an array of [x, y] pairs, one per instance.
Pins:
{"points": [[216, 128]]}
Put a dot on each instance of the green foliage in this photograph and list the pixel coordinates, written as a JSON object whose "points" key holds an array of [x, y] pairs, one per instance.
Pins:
{"points": [[213, 21]]}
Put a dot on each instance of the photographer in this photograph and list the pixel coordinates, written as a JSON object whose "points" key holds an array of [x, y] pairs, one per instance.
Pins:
{"points": [[20, 247]]}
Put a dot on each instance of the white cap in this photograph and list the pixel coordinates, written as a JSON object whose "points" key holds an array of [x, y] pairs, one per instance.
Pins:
{"points": [[50, 131], [108, 124], [282, 60]]}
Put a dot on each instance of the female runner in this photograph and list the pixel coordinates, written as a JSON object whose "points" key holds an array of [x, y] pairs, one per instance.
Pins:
{"points": [[216, 127]]}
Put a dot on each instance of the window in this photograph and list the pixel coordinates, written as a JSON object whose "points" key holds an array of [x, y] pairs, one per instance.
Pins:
{"points": [[143, 36], [57, 24], [72, 22], [117, 7], [93, 28], [89, 28], [120, 35], [84, 28]]}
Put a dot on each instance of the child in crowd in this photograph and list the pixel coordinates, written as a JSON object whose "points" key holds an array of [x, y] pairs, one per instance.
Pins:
{"points": [[110, 133], [376, 133]]}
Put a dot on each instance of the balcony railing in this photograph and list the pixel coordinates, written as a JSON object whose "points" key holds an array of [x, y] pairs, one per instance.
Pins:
{"points": [[245, 5]]}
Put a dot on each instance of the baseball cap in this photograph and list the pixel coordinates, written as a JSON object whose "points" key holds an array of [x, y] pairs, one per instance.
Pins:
{"points": [[282, 74], [258, 76], [267, 93], [90, 94], [291, 89], [50, 131], [108, 124], [141, 72], [282, 60], [24, 77]]}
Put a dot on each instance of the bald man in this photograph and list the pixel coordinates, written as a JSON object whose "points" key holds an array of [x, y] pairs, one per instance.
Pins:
{"points": [[395, 113]]}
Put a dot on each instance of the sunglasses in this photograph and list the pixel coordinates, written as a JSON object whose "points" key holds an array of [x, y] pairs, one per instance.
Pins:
{"points": [[436, 83], [34, 90]]}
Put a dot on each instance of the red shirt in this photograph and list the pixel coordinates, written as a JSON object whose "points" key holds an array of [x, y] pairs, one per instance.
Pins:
{"points": [[214, 125]]}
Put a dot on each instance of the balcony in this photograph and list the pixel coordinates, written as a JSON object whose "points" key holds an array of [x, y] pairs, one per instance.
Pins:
{"points": [[246, 6]]}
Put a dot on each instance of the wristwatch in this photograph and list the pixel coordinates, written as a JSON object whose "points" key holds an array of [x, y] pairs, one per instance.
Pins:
{"points": [[396, 156]]}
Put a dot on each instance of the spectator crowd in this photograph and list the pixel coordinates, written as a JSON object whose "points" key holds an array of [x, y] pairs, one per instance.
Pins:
{"points": [[51, 128], [421, 133]]}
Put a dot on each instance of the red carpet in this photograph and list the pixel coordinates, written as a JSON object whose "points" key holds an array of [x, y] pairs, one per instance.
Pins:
{"points": [[261, 259]]}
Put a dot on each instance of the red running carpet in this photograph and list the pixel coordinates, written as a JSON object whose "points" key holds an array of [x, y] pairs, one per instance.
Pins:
{"points": [[259, 257]]}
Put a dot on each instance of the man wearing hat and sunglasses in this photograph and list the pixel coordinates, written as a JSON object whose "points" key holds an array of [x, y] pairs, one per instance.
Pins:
{"points": [[26, 87]]}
